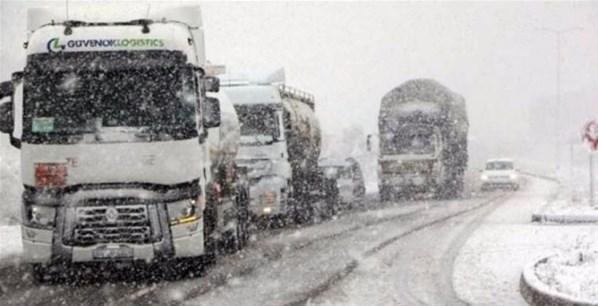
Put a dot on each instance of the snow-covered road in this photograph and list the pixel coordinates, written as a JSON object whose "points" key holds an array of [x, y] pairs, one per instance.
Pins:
{"points": [[401, 253]]}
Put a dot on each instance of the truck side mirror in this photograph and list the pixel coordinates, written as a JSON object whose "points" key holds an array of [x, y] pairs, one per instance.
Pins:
{"points": [[211, 84], [6, 108], [6, 118], [211, 113]]}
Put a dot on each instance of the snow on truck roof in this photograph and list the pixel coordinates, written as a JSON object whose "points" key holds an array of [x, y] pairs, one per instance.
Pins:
{"points": [[113, 27], [253, 94], [424, 90], [121, 12], [247, 93]]}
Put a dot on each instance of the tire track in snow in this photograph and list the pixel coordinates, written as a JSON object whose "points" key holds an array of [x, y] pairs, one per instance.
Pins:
{"points": [[147, 296], [353, 264]]}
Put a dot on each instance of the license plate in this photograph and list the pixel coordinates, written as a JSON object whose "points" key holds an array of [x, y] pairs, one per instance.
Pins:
{"points": [[112, 252]]}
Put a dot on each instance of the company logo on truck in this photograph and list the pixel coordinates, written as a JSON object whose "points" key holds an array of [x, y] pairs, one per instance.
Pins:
{"points": [[54, 44]]}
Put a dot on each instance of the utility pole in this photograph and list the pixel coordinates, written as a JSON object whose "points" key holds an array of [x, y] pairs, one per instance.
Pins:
{"points": [[558, 33]]}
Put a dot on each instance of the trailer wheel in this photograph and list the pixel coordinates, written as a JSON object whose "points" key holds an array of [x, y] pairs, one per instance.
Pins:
{"points": [[242, 218], [385, 194]]}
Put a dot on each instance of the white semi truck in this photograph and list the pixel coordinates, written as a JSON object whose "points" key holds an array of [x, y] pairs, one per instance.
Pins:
{"points": [[124, 157], [280, 145]]}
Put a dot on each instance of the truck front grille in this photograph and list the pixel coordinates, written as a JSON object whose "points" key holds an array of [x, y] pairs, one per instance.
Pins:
{"points": [[112, 224]]}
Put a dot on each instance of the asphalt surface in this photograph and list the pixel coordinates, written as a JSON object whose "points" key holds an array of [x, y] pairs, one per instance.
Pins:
{"points": [[384, 253]]}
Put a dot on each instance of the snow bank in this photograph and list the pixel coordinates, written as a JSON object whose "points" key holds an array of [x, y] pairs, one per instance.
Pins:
{"points": [[574, 274], [11, 242], [10, 187]]}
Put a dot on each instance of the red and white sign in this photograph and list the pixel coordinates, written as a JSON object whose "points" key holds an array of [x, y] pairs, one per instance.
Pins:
{"points": [[590, 134]]}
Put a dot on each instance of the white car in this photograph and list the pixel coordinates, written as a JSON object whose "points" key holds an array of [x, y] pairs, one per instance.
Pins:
{"points": [[499, 173]]}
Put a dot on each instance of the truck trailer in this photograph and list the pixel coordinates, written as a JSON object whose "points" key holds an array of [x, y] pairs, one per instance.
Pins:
{"points": [[124, 156], [422, 141]]}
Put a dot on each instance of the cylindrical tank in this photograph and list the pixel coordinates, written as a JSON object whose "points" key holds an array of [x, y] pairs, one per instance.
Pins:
{"points": [[303, 129], [223, 141]]}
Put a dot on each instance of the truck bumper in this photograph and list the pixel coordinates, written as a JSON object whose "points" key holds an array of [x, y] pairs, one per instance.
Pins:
{"points": [[267, 198], [416, 183], [39, 247]]}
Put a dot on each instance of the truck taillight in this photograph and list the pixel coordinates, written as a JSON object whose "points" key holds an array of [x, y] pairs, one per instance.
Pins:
{"points": [[50, 174]]}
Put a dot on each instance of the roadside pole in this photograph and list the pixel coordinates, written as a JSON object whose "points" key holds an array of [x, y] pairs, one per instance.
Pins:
{"points": [[592, 202], [590, 135]]}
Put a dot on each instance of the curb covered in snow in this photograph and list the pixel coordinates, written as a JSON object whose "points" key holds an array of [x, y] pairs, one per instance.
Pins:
{"points": [[564, 218], [535, 292]]}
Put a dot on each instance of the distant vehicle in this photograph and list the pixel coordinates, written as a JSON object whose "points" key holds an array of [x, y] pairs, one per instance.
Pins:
{"points": [[348, 178], [499, 174], [423, 141]]}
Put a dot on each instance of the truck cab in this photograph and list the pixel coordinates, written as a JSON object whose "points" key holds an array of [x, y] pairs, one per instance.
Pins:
{"points": [[112, 119], [263, 147]]}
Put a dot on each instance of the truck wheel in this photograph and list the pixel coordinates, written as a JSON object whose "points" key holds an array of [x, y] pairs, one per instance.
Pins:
{"points": [[243, 219], [384, 194], [47, 273], [236, 240], [304, 213], [40, 273]]}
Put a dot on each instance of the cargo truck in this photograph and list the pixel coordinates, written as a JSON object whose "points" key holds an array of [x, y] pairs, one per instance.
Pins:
{"points": [[422, 141], [124, 157], [280, 145]]}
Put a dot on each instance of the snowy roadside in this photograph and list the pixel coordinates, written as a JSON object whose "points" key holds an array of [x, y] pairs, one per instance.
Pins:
{"points": [[572, 205], [488, 268], [11, 244], [570, 276]]}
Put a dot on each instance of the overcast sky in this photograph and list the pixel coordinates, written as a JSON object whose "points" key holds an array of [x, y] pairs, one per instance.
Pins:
{"points": [[350, 54]]}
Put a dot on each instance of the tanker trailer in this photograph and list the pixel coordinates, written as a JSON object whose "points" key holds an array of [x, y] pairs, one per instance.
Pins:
{"points": [[423, 141]]}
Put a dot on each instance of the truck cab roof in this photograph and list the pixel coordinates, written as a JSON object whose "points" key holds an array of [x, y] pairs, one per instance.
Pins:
{"points": [[253, 94]]}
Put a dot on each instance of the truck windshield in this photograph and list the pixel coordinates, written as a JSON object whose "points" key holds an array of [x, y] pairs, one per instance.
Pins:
{"points": [[499, 165], [409, 140], [260, 121], [157, 100]]}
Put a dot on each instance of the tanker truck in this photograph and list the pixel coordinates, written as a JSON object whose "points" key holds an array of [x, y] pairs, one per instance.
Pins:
{"points": [[422, 141], [124, 157], [280, 146]]}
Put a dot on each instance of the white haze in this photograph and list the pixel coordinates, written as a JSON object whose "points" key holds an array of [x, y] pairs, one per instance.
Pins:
{"points": [[350, 54]]}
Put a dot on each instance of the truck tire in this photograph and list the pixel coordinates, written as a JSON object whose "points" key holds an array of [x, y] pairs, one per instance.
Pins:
{"points": [[384, 194], [243, 218], [41, 274], [48, 273], [236, 239]]}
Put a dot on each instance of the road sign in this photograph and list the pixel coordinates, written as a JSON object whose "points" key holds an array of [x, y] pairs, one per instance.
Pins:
{"points": [[590, 134]]}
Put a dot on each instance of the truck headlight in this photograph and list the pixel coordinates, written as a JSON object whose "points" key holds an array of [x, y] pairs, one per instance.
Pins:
{"points": [[182, 212], [513, 176], [40, 216], [484, 177], [330, 173]]}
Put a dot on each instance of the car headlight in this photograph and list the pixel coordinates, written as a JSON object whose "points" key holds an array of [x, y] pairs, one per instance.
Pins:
{"points": [[182, 212], [484, 177], [513, 176], [40, 216]]}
